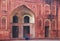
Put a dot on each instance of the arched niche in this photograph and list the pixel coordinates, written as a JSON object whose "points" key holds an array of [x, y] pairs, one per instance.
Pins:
{"points": [[4, 22], [47, 27], [21, 12]]}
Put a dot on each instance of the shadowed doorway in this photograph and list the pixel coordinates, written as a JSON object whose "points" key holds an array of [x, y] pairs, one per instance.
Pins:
{"points": [[26, 30], [46, 31], [15, 31]]}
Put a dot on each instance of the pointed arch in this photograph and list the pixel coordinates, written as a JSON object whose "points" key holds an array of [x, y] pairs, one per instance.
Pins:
{"points": [[40, 22], [47, 22], [53, 24], [4, 23], [23, 8], [26, 15], [22, 11], [47, 27]]}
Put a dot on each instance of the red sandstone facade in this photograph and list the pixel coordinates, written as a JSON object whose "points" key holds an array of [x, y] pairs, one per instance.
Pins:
{"points": [[44, 19]]}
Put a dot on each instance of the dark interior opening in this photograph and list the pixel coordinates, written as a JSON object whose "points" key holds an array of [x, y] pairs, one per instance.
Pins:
{"points": [[15, 31], [26, 19], [15, 19], [46, 31], [26, 30]]}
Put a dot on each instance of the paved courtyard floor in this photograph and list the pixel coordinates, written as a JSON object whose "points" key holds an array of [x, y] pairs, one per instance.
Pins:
{"points": [[35, 40]]}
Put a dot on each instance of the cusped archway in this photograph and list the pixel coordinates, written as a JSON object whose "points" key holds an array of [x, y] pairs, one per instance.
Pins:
{"points": [[23, 18], [23, 11], [47, 28], [4, 22]]}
